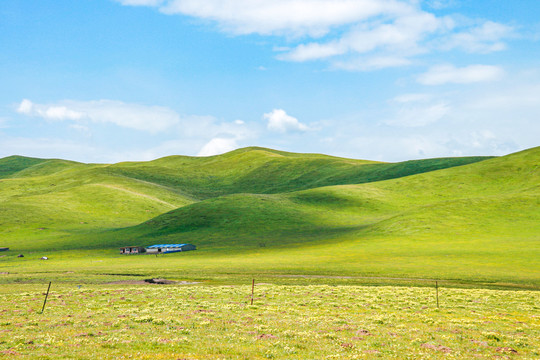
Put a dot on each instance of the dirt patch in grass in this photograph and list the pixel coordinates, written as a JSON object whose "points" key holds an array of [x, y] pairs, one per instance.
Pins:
{"points": [[152, 282]]}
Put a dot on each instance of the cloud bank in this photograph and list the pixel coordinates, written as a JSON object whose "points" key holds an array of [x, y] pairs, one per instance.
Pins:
{"points": [[152, 119], [354, 35]]}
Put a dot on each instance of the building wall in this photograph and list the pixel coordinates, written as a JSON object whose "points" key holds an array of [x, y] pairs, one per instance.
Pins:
{"points": [[153, 251], [131, 250], [186, 247]]}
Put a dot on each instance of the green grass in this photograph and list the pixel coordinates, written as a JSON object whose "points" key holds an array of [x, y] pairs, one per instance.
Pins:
{"points": [[266, 171], [285, 322], [265, 212]]}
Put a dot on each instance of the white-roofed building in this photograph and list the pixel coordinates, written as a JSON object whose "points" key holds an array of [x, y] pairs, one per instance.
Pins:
{"points": [[169, 248]]}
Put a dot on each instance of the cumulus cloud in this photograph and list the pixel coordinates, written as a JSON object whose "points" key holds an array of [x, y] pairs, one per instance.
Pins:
{"points": [[445, 74], [386, 32], [218, 146], [134, 116], [283, 17], [280, 121], [25, 107], [50, 112]]}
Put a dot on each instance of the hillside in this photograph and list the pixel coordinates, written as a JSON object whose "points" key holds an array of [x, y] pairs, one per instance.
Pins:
{"points": [[267, 211], [52, 202], [265, 171], [482, 219], [468, 192]]}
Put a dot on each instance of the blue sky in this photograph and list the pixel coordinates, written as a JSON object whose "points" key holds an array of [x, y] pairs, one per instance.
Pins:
{"points": [[390, 80]]}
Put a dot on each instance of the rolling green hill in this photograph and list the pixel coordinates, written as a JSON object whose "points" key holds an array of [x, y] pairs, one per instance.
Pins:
{"points": [[480, 221], [264, 171], [55, 199], [263, 210], [477, 194]]}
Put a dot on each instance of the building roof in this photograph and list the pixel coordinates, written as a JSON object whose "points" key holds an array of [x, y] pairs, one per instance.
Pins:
{"points": [[166, 246]]}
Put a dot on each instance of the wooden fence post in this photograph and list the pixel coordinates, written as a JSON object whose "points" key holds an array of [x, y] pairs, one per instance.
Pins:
{"points": [[252, 290], [46, 296], [437, 292]]}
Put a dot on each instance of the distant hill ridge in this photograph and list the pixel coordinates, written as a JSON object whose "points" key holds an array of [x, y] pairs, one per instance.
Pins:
{"points": [[218, 193], [253, 170]]}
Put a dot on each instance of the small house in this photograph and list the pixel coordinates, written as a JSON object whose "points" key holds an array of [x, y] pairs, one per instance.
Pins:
{"points": [[4, 249], [169, 248], [128, 250]]}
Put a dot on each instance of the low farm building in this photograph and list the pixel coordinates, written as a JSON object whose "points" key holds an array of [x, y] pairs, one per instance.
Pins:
{"points": [[127, 250], [4, 249], [169, 248]]}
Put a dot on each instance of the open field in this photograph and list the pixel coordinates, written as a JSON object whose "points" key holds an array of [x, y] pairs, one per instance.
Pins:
{"points": [[285, 322]]}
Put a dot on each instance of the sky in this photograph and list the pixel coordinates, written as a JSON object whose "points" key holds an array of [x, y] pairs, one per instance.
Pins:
{"points": [[390, 80]]}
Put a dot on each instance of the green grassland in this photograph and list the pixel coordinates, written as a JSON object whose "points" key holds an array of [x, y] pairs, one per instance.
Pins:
{"points": [[268, 213], [129, 321]]}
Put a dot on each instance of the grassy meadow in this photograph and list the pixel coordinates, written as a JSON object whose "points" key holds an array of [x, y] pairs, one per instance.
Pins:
{"points": [[128, 321]]}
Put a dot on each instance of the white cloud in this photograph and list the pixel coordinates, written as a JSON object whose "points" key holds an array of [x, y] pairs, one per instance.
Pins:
{"points": [[485, 38], [25, 107], [134, 116], [61, 113], [280, 121], [402, 35], [314, 51], [50, 112], [445, 74], [374, 63], [386, 32], [284, 17], [218, 146], [488, 119], [179, 134]]}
